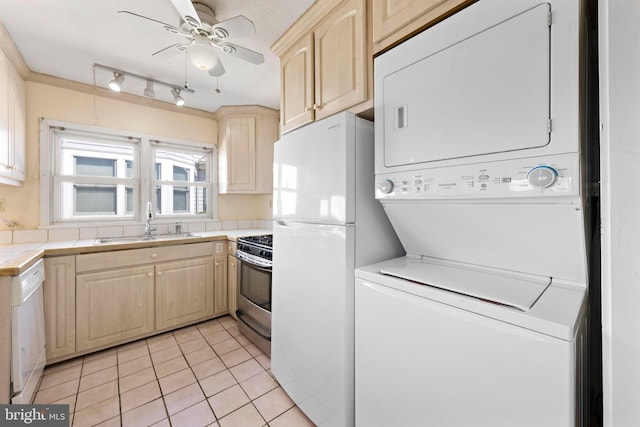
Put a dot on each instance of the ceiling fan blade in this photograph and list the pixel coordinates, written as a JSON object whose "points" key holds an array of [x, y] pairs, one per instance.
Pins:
{"points": [[218, 70], [170, 51], [241, 52], [238, 26], [164, 24], [187, 12]]}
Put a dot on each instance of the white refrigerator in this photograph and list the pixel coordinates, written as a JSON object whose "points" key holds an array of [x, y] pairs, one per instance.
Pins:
{"points": [[326, 223]]}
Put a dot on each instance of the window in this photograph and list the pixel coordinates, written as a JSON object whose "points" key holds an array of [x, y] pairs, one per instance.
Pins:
{"points": [[181, 184], [98, 175], [94, 175]]}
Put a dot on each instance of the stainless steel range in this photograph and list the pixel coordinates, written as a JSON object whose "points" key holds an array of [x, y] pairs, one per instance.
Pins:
{"points": [[254, 291]]}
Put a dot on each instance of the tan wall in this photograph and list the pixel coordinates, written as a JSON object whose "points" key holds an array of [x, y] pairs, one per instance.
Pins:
{"points": [[56, 103]]}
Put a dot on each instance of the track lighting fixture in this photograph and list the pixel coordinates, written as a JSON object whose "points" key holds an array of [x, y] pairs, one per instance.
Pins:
{"points": [[116, 84], [148, 91], [176, 97]]}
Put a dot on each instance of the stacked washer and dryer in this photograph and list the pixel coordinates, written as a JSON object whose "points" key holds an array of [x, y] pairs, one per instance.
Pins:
{"points": [[478, 167]]}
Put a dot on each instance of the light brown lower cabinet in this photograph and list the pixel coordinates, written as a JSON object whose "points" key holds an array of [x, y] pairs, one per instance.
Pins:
{"points": [[220, 299], [184, 291], [97, 300], [232, 280], [60, 305], [113, 306]]}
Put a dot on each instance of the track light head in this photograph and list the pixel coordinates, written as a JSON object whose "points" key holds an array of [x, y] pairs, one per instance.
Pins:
{"points": [[116, 84], [148, 91], [179, 101]]}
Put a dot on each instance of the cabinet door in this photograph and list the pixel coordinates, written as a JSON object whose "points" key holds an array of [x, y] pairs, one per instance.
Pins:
{"points": [[5, 155], [296, 75], [12, 124], [394, 20], [232, 280], [240, 151], [17, 124], [221, 294], [60, 306], [184, 292], [340, 59], [113, 306]]}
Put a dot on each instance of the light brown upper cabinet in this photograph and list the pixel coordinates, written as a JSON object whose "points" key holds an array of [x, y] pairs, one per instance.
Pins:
{"points": [[12, 124], [325, 63], [396, 20], [245, 149]]}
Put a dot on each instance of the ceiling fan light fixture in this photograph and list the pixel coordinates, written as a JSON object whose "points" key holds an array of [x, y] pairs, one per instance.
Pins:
{"points": [[177, 99], [116, 84], [149, 91], [202, 55]]}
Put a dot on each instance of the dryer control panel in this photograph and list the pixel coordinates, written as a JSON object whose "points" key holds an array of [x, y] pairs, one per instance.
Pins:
{"points": [[532, 177]]}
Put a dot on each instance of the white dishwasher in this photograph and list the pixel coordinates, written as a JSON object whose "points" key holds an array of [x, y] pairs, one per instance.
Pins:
{"points": [[28, 355]]}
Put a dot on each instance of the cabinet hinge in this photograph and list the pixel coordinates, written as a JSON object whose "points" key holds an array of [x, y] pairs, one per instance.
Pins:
{"points": [[549, 18], [549, 125]]}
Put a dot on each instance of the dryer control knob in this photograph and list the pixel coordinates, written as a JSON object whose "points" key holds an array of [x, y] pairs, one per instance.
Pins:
{"points": [[542, 176], [386, 186]]}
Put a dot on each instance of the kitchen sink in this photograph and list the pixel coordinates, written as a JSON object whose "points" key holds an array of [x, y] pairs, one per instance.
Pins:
{"points": [[143, 238]]}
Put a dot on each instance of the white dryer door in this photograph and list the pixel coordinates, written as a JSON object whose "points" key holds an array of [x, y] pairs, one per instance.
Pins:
{"points": [[485, 93]]}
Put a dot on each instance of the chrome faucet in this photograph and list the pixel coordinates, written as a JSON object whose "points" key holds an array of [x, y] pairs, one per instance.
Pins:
{"points": [[149, 216], [178, 227]]}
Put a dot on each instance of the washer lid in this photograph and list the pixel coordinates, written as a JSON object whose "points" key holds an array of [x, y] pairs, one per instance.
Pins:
{"points": [[513, 289]]}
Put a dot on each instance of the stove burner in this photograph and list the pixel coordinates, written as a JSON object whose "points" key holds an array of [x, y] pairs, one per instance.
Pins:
{"points": [[265, 240]]}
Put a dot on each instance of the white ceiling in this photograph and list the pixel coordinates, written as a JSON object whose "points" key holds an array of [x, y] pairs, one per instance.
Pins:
{"points": [[65, 38]]}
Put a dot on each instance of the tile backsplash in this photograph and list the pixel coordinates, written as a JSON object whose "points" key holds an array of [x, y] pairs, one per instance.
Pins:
{"points": [[84, 233]]}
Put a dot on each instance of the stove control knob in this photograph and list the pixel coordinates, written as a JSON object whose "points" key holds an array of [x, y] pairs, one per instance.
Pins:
{"points": [[542, 176], [386, 186]]}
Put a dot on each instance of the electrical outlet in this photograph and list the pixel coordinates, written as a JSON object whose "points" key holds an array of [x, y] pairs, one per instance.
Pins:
{"points": [[219, 248], [1, 205]]}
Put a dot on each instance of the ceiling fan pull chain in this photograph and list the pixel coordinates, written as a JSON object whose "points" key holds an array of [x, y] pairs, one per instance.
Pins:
{"points": [[186, 84]]}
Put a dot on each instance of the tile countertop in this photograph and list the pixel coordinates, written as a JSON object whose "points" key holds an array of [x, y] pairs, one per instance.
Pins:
{"points": [[16, 258]]}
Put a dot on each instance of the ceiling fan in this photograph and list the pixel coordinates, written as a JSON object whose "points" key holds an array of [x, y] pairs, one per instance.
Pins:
{"points": [[205, 35]]}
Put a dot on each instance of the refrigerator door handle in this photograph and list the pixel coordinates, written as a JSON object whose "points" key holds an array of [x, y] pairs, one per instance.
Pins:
{"points": [[303, 223]]}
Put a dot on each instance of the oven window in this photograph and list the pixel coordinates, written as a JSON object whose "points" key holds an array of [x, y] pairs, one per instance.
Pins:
{"points": [[255, 285]]}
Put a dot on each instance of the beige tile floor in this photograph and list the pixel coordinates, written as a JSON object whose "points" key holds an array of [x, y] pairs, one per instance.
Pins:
{"points": [[208, 374]]}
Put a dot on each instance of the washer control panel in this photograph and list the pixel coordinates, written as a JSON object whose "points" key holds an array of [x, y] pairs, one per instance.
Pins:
{"points": [[535, 177]]}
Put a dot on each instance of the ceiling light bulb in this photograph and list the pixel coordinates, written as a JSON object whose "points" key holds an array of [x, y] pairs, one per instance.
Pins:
{"points": [[201, 54], [148, 91], [177, 98], [116, 84]]}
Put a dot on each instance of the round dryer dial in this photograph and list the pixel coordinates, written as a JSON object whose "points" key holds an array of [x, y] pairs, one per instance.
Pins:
{"points": [[542, 176], [386, 186]]}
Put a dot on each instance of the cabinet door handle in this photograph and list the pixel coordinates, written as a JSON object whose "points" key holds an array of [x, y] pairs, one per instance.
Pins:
{"points": [[159, 273], [307, 109], [154, 255], [150, 274], [317, 107]]}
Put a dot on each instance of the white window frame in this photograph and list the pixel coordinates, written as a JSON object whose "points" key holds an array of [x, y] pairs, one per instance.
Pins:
{"points": [[143, 180], [163, 145]]}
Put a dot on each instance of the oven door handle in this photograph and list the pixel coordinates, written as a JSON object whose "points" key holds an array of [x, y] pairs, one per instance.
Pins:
{"points": [[256, 266]]}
